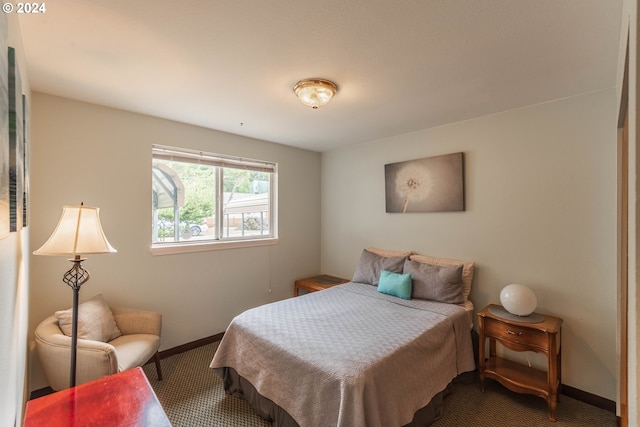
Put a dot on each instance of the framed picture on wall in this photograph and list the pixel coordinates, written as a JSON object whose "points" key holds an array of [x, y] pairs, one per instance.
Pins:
{"points": [[16, 144], [431, 184], [26, 131], [4, 130]]}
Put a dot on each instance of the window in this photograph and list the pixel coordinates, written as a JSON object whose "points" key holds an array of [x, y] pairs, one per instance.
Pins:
{"points": [[204, 201]]}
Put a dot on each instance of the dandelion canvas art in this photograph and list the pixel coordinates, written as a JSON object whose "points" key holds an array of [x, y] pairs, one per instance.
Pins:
{"points": [[431, 184]]}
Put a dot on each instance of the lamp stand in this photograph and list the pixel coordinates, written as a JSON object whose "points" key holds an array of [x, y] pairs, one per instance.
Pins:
{"points": [[74, 278]]}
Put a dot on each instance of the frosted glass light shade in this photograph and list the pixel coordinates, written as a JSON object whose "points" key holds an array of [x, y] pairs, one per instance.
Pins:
{"points": [[315, 92], [78, 232], [518, 299]]}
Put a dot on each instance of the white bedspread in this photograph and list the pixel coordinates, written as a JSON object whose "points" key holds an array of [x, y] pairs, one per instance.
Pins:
{"points": [[349, 356]]}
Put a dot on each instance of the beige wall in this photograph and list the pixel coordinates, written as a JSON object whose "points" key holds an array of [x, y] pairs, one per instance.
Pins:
{"points": [[102, 157], [14, 285], [540, 210]]}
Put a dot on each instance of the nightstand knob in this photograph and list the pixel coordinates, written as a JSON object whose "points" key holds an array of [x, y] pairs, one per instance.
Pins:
{"points": [[513, 333]]}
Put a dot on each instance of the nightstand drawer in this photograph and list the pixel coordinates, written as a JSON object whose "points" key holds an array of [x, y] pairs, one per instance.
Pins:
{"points": [[516, 337]]}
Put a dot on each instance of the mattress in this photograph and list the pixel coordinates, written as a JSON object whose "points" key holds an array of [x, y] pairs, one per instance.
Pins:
{"points": [[349, 356]]}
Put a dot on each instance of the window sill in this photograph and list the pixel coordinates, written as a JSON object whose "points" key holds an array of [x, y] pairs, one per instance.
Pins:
{"points": [[182, 248]]}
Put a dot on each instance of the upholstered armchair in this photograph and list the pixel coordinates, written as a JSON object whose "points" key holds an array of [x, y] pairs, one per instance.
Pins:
{"points": [[134, 344]]}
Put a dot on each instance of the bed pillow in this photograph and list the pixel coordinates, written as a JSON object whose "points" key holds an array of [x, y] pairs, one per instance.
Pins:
{"points": [[95, 321], [389, 252], [370, 265], [467, 269], [396, 284], [435, 282]]}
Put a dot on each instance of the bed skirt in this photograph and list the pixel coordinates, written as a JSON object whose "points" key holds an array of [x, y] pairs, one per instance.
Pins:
{"points": [[236, 385]]}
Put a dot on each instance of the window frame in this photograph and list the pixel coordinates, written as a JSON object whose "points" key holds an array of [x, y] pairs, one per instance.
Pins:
{"points": [[219, 161]]}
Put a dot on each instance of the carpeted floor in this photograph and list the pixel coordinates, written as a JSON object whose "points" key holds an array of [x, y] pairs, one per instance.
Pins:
{"points": [[192, 396]]}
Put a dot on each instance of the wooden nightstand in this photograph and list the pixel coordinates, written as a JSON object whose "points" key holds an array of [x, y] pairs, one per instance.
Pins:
{"points": [[542, 337], [317, 283]]}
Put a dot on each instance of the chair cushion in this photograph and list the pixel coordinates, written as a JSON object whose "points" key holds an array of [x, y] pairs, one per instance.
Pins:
{"points": [[95, 321], [135, 350]]}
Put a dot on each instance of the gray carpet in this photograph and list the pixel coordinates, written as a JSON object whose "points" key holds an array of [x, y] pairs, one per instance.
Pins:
{"points": [[192, 396]]}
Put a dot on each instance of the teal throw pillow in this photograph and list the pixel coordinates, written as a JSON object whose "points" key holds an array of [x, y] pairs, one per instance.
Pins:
{"points": [[396, 284]]}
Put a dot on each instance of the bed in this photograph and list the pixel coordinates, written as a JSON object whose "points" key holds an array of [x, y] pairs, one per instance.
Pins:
{"points": [[351, 355]]}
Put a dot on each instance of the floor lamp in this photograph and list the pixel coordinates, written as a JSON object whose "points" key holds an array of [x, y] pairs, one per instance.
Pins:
{"points": [[78, 232]]}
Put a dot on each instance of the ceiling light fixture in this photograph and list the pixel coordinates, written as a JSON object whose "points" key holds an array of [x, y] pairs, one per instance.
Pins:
{"points": [[315, 92]]}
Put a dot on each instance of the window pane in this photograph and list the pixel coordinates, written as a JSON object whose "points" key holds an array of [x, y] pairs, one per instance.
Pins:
{"points": [[246, 203], [183, 201]]}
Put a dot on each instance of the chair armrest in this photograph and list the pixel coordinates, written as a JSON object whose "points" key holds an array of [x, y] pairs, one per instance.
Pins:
{"points": [[134, 321], [95, 359]]}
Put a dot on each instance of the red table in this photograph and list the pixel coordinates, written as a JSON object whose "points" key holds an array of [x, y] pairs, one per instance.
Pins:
{"points": [[121, 400]]}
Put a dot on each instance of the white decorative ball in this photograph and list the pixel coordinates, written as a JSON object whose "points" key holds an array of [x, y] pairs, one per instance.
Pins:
{"points": [[518, 299]]}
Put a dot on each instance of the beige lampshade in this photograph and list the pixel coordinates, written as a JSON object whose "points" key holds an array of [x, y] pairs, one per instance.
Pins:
{"points": [[78, 232]]}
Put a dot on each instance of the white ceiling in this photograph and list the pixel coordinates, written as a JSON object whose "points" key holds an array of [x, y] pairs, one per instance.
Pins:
{"points": [[401, 66]]}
